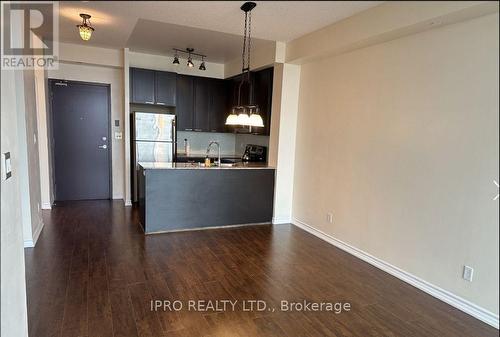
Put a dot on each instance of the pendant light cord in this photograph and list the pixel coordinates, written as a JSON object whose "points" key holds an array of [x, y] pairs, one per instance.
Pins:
{"points": [[249, 42], [243, 60]]}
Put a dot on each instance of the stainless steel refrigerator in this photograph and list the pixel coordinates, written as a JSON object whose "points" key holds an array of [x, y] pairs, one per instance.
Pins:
{"points": [[153, 140]]}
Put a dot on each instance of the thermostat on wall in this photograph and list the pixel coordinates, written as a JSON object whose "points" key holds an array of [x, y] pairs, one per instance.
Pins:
{"points": [[6, 167]]}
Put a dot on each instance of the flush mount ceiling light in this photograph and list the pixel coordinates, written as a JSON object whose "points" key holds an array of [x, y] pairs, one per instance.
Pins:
{"points": [[85, 28], [246, 115], [191, 53]]}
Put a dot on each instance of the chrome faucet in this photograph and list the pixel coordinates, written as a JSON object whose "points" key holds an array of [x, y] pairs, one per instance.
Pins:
{"points": [[218, 151]]}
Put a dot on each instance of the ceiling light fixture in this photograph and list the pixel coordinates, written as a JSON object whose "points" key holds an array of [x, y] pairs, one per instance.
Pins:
{"points": [[202, 65], [190, 63], [176, 59], [85, 28], [191, 53], [246, 115]]}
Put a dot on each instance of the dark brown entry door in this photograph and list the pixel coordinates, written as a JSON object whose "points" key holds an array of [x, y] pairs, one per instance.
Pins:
{"points": [[81, 149]]}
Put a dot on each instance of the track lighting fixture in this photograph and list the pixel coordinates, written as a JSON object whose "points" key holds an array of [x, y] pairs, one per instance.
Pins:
{"points": [[202, 65], [176, 59], [191, 53]]}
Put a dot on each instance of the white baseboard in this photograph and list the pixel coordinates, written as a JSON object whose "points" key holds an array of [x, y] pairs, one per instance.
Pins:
{"points": [[456, 301], [281, 220], [46, 205], [36, 235], [128, 203]]}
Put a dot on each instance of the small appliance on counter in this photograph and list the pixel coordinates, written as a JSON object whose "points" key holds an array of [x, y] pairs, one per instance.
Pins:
{"points": [[255, 154]]}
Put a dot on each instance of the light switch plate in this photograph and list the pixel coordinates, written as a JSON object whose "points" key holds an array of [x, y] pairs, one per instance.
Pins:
{"points": [[6, 166], [118, 135], [468, 273]]}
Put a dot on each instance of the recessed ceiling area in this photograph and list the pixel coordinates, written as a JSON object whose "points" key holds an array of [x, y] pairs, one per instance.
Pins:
{"points": [[211, 27], [159, 38]]}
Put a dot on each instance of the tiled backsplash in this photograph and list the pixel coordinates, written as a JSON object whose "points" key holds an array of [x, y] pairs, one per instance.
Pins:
{"points": [[231, 144]]}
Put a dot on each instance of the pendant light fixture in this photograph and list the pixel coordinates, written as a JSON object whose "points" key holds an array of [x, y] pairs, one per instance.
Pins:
{"points": [[85, 28], [246, 115]]}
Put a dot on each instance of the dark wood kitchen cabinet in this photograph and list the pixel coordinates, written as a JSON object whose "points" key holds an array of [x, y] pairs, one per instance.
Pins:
{"points": [[201, 104], [218, 108], [142, 88], [263, 97], [185, 103], [152, 87], [165, 88]]}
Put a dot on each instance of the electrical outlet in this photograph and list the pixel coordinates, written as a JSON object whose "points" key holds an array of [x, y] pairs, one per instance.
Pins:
{"points": [[329, 217], [468, 273]]}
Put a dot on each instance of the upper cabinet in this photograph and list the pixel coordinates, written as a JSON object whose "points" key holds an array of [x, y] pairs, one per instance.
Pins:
{"points": [[263, 97], [152, 87], [165, 88], [201, 103], [184, 108], [142, 86], [218, 108]]}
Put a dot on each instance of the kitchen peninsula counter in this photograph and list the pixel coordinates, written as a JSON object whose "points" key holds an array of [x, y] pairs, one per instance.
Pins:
{"points": [[183, 196], [236, 166]]}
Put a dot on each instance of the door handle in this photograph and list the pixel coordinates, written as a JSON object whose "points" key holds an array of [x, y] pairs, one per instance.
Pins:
{"points": [[103, 146]]}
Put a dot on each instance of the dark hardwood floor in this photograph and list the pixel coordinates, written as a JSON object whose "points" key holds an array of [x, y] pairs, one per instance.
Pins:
{"points": [[93, 274]]}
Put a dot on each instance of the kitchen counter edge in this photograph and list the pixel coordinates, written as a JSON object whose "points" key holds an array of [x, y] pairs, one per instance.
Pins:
{"points": [[191, 166]]}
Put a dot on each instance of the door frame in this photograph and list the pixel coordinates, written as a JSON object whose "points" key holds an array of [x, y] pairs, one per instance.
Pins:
{"points": [[50, 121]]}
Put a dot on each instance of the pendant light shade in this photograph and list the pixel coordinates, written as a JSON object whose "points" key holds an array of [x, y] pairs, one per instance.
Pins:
{"points": [[256, 120], [243, 118], [232, 119], [85, 29]]}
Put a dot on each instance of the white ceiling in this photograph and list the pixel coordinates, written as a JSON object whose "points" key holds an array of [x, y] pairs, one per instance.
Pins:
{"points": [[211, 27]]}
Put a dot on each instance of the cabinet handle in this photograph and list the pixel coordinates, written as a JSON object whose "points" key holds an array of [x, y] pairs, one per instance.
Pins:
{"points": [[198, 130], [150, 102], [188, 129], [161, 103]]}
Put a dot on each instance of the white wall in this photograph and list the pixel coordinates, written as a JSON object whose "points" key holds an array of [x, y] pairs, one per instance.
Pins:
{"points": [[282, 137], [46, 190], [400, 142], [13, 284], [29, 170], [114, 77]]}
